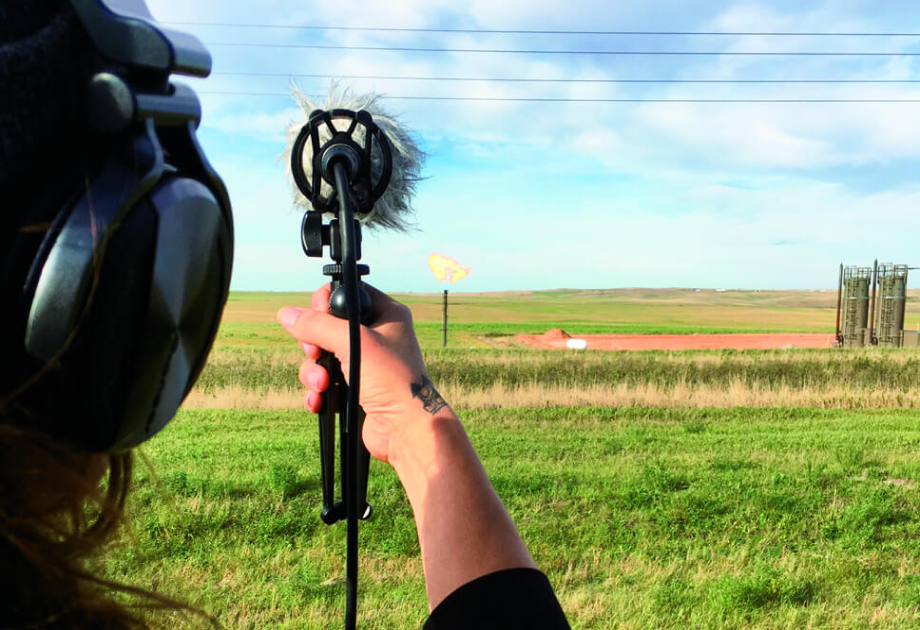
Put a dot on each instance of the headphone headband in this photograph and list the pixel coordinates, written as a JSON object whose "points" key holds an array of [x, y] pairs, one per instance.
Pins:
{"points": [[123, 31]]}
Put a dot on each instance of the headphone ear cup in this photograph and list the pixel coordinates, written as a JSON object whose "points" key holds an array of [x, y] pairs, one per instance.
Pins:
{"points": [[147, 324], [188, 288], [110, 339], [85, 387]]}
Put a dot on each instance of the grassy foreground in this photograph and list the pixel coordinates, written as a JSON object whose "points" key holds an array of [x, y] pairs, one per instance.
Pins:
{"points": [[643, 518]]}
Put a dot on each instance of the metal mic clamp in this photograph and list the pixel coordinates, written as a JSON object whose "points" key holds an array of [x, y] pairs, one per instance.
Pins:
{"points": [[314, 236]]}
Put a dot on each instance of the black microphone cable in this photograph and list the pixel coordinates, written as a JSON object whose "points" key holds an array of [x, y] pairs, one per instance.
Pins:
{"points": [[353, 309]]}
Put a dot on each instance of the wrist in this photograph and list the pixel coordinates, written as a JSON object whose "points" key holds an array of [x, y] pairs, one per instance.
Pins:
{"points": [[420, 446]]}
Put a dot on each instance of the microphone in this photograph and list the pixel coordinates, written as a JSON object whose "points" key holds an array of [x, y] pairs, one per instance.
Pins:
{"points": [[393, 209], [352, 163]]}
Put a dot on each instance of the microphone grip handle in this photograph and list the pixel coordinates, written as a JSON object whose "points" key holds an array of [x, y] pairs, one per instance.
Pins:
{"points": [[337, 384], [332, 408]]}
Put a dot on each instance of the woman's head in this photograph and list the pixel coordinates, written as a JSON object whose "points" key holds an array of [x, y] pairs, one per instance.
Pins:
{"points": [[118, 254], [54, 513]]}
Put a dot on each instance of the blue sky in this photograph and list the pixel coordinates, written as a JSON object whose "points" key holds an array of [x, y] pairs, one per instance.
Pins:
{"points": [[579, 195]]}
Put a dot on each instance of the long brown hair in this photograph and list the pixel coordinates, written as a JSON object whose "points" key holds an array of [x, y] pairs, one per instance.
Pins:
{"points": [[55, 515]]}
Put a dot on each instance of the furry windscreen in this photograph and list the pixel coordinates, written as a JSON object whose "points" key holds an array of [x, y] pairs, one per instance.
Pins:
{"points": [[394, 209]]}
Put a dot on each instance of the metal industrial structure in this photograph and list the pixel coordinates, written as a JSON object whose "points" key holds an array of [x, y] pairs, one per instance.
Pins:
{"points": [[871, 305], [892, 293], [855, 306]]}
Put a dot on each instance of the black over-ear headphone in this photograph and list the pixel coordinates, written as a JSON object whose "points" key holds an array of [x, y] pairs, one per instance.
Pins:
{"points": [[124, 295]]}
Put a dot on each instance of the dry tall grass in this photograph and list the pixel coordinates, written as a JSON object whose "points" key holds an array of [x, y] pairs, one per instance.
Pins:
{"points": [[734, 394], [236, 397]]}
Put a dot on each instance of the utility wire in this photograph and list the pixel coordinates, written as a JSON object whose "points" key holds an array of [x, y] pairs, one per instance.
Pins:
{"points": [[545, 32], [590, 100], [524, 80], [571, 52]]}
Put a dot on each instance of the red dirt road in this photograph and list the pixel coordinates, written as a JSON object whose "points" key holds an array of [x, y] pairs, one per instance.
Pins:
{"points": [[557, 339]]}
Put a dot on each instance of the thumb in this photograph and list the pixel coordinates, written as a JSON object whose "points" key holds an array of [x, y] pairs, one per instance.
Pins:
{"points": [[316, 327]]}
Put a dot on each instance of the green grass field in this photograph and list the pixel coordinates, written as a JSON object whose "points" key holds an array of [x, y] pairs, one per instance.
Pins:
{"points": [[642, 518], [486, 320], [756, 489]]}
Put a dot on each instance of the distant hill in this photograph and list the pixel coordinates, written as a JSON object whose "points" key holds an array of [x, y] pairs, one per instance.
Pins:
{"points": [[791, 298]]}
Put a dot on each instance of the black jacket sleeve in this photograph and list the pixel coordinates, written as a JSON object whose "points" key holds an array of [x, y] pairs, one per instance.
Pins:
{"points": [[509, 599]]}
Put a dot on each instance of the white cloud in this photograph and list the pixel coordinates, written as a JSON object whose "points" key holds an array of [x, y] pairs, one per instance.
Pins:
{"points": [[767, 136], [714, 186], [263, 126]]}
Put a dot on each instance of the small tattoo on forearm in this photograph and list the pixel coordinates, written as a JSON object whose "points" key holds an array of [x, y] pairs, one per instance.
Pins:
{"points": [[424, 390]]}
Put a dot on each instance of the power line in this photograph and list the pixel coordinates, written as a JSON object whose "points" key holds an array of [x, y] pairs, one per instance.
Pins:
{"points": [[589, 100], [572, 52], [545, 32], [526, 80]]}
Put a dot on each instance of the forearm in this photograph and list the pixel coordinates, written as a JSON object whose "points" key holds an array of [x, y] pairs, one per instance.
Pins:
{"points": [[463, 528]]}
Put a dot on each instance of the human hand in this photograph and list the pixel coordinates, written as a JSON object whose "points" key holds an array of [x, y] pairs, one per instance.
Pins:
{"points": [[395, 389], [410, 426]]}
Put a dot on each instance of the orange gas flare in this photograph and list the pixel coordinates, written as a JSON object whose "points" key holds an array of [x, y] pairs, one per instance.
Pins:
{"points": [[446, 268]]}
